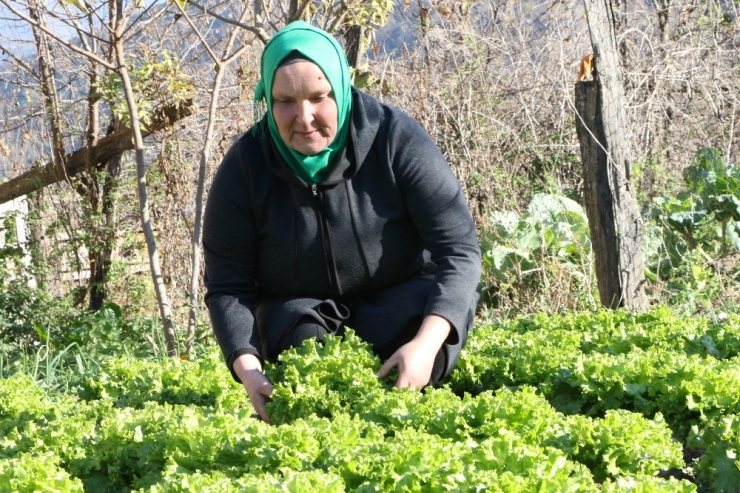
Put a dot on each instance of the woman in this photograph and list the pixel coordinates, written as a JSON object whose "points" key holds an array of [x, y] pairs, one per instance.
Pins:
{"points": [[336, 211]]}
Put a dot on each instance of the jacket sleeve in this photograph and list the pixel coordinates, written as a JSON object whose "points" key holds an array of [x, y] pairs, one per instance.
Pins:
{"points": [[439, 210], [229, 245]]}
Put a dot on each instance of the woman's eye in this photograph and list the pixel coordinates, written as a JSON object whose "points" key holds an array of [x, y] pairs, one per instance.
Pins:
{"points": [[322, 97]]}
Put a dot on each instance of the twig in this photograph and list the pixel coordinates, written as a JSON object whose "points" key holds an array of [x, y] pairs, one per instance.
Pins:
{"points": [[259, 32], [58, 38]]}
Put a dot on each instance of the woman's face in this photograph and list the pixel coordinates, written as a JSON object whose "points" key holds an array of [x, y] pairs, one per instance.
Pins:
{"points": [[304, 108]]}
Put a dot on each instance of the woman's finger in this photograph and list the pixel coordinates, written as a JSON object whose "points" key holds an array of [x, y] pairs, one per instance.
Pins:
{"points": [[259, 402], [259, 397], [387, 366]]}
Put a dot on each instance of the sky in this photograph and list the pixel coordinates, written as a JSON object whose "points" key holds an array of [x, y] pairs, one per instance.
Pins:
{"points": [[16, 34]]}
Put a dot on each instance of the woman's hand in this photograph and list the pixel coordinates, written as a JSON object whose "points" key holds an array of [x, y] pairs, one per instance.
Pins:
{"points": [[249, 370], [415, 359]]}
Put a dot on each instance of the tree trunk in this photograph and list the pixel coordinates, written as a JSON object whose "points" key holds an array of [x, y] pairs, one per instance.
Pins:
{"points": [[146, 223], [97, 243], [200, 192], [221, 65], [101, 262], [616, 147], [35, 235]]}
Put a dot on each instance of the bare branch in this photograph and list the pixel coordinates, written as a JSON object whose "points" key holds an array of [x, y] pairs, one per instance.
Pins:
{"points": [[258, 31], [303, 11], [140, 24], [77, 27], [232, 39], [19, 62], [198, 34], [58, 38]]}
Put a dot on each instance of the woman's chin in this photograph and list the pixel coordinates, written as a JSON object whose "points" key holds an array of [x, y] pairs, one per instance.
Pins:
{"points": [[310, 149]]}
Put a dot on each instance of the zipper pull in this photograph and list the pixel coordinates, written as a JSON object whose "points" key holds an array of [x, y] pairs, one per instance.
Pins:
{"points": [[313, 190]]}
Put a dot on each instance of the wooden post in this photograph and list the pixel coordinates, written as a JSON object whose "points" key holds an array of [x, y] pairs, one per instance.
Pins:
{"points": [[605, 150], [353, 40], [597, 194]]}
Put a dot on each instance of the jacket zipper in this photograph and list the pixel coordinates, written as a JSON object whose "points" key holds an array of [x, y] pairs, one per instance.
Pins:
{"points": [[331, 268]]}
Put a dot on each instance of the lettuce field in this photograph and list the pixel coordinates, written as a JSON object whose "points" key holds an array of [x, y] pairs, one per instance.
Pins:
{"points": [[607, 401]]}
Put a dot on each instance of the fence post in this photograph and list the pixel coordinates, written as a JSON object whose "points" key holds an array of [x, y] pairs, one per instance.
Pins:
{"points": [[605, 150], [597, 194]]}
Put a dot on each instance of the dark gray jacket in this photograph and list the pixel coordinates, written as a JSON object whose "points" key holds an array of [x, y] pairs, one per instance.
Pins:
{"points": [[390, 204]]}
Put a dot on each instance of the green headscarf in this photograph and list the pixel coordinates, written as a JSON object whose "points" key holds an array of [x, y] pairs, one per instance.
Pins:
{"points": [[323, 50]]}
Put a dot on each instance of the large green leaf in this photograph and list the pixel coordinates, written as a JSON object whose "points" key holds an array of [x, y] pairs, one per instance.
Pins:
{"points": [[550, 207], [503, 223], [732, 230], [725, 207]]}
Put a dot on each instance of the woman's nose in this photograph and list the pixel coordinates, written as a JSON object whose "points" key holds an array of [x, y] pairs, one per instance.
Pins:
{"points": [[304, 112]]}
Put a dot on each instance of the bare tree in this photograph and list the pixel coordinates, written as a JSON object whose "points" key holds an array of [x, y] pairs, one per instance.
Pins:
{"points": [[122, 21], [229, 55], [121, 27]]}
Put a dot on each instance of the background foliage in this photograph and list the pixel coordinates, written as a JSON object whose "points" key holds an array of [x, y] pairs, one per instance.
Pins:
{"points": [[492, 82]]}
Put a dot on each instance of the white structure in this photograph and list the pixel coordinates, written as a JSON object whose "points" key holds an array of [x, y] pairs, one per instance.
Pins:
{"points": [[19, 208]]}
